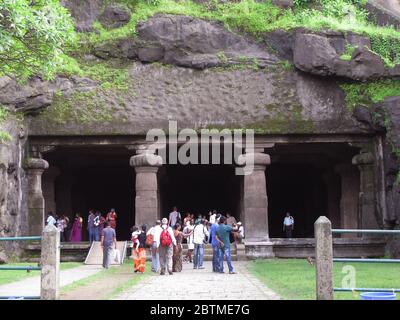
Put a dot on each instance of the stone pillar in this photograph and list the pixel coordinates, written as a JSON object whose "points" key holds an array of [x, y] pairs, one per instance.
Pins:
{"points": [[49, 190], [255, 200], [367, 196], [323, 258], [35, 168], [50, 263], [146, 200], [350, 188]]}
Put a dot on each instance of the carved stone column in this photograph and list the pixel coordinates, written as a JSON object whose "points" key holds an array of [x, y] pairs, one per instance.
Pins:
{"points": [[146, 201], [367, 197], [350, 188], [255, 200], [35, 169]]}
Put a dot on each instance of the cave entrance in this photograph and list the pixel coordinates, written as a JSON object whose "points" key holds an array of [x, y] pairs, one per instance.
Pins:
{"points": [[94, 178], [300, 190], [199, 189], [303, 179]]}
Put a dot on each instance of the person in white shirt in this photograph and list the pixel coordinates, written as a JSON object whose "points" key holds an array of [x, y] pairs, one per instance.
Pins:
{"points": [[200, 236], [188, 234], [155, 232], [50, 220], [288, 225], [240, 232], [166, 242], [213, 216]]}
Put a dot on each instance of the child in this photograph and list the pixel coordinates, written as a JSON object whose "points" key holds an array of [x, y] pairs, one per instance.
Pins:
{"points": [[135, 238]]}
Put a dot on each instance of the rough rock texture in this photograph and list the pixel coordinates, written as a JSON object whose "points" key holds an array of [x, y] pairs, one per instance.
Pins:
{"points": [[283, 3], [84, 13], [281, 43], [187, 42], [266, 100], [391, 107], [37, 93], [320, 54], [13, 186], [384, 12], [393, 249], [384, 118], [115, 16]]}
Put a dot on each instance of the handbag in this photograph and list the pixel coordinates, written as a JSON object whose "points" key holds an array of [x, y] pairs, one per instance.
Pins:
{"points": [[117, 256]]}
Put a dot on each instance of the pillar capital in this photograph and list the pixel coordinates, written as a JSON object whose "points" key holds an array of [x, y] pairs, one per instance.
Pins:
{"points": [[146, 160], [37, 164], [362, 159], [257, 159]]}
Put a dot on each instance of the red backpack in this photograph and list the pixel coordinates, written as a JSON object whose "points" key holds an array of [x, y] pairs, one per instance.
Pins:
{"points": [[165, 238]]}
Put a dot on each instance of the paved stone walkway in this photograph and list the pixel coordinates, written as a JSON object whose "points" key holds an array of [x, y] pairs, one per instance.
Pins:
{"points": [[31, 286], [201, 285]]}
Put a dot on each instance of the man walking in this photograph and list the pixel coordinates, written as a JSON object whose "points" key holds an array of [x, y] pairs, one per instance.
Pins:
{"points": [[200, 234], [214, 244], [288, 225], [90, 226], [108, 241], [166, 242], [174, 217], [155, 232], [223, 233]]}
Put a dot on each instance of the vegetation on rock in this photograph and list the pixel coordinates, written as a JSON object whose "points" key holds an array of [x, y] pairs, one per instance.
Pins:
{"points": [[32, 37], [370, 92], [4, 136]]}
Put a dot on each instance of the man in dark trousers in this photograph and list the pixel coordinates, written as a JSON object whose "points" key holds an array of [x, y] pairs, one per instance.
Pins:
{"points": [[288, 225], [222, 236], [108, 241]]}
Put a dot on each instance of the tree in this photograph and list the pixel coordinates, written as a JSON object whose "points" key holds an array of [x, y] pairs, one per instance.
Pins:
{"points": [[33, 35]]}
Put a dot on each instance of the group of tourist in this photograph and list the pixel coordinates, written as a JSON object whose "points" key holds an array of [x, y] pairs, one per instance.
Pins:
{"points": [[166, 237], [73, 232]]}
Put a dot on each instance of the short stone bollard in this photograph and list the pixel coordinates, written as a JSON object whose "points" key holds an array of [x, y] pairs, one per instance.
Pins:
{"points": [[50, 263], [324, 258]]}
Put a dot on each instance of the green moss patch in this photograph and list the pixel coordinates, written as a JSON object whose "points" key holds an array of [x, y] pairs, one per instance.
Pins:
{"points": [[370, 92]]}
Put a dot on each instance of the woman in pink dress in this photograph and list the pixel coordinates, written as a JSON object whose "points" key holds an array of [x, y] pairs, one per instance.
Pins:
{"points": [[76, 233]]}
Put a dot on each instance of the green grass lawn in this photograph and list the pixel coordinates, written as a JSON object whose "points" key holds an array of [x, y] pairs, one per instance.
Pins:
{"points": [[95, 280], [8, 276], [294, 279]]}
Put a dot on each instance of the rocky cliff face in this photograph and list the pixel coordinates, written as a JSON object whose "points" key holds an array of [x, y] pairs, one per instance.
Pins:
{"points": [[13, 186], [202, 75]]}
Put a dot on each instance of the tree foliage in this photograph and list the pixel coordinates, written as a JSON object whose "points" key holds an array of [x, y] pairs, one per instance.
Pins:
{"points": [[33, 35]]}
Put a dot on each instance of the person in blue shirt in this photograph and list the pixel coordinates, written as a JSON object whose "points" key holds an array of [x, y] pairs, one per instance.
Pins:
{"points": [[222, 236], [215, 245]]}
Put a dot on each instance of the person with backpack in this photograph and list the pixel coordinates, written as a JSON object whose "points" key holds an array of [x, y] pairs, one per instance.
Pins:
{"points": [[166, 242], [151, 242], [200, 236]]}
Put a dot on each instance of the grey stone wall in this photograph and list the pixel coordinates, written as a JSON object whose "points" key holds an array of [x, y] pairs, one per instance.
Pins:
{"points": [[13, 186]]}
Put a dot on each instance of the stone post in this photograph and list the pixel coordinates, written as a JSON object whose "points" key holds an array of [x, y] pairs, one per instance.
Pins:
{"points": [[255, 200], [367, 197], [50, 263], [323, 258], [146, 200], [35, 168], [350, 188]]}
